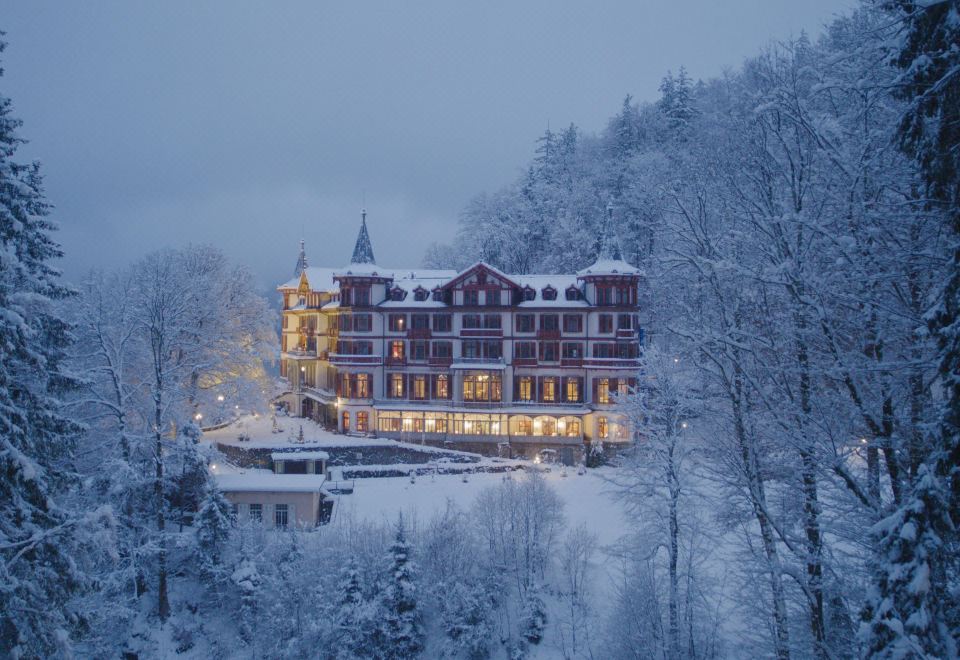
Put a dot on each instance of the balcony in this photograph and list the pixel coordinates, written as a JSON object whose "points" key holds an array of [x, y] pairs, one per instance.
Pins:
{"points": [[419, 333], [440, 361], [392, 361], [481, 332], [571, 362], [612, 363], [548, 334], [301, 354], [524, 362], [626, 333], [479, 363], [341, 359]]}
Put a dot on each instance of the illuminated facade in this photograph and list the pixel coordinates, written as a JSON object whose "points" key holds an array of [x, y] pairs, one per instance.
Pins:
{"points": [[478, 359]]}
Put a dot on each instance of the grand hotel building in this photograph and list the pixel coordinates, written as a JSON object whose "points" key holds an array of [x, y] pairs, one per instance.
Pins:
{"points": [[478, 359]]}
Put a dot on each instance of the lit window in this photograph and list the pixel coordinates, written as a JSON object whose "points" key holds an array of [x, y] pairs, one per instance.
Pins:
{"points": [[525, 387], [396, 386], [363, 421], [346, 421], [549, 393], [603, 391], [442, 387], [602, 430], [573, 389]]}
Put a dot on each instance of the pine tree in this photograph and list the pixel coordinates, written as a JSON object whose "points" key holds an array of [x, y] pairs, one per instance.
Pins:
{"points": [[915, 609], [38, 574], [351, 613], [676, 102], [214, 524], [401, 629]]}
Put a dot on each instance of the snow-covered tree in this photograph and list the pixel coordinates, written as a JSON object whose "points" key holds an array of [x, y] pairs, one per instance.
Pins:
{"points": [[39, 569], [213, 529], [400, 626]]}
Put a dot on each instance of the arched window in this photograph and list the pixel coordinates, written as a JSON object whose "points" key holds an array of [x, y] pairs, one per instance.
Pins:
{"points": [[529, 293], [363, 421], [545, 425], [549, 293], [346, 421]]}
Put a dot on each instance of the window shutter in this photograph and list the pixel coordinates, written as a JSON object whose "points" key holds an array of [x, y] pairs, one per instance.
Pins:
{"points": [[596, 384]]}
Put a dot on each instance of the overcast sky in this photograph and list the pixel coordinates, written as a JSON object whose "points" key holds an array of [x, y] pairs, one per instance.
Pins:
{"points": [[246, 124]]}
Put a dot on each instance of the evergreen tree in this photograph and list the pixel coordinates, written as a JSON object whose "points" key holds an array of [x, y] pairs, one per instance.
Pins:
{"points": [[38, 573], [351, 613], [401, 627], [214, 524], [676, 102], [915, 608]]}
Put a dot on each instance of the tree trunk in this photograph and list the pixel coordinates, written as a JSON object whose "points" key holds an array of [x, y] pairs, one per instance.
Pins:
{"points": [[758, 501], [163, 602], [674, 651]]}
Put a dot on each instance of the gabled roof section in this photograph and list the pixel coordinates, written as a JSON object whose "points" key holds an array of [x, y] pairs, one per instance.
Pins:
{"points": [[480, 268]]}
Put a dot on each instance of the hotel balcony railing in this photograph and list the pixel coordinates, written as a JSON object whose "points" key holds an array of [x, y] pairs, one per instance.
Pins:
{"points": [[481, 332], [524, 362], [481, 361], [343, 359], [392, 361], [627, 333], [440, 361], [614, 363], [548, 334], [301, 353], [419, 333], [480, 405], [571, 362], [414, 436]]}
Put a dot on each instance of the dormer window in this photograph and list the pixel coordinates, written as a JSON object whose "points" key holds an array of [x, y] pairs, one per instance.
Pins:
{"points": [[529, 293], [396, 293], [438, 294], [573, 293], [549, 293], [420, 294]]}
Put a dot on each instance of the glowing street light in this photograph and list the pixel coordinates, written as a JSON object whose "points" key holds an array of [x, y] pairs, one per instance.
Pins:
{"points": [[220, 398], [683, 425], [198, 417]]}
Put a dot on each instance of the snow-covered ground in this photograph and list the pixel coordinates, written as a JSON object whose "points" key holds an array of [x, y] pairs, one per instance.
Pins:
{"points": [[260, 430], [586, 498]]}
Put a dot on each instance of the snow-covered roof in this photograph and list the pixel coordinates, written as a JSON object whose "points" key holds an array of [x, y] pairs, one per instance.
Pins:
{"points": [[299, 456], [320, 279], [609, 267], [364, 269], [265, 481]]}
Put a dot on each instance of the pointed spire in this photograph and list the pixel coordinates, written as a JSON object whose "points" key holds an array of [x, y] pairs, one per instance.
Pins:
{"points": [[301, 260], [609, 245], [363, 250]]}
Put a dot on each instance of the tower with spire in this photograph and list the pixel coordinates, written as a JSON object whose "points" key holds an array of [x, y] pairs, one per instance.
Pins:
{"points": [[363, 249], [301, 260]]}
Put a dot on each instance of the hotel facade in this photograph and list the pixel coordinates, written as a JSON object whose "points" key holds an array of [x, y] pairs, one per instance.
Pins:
{"points": [[478, 360]]}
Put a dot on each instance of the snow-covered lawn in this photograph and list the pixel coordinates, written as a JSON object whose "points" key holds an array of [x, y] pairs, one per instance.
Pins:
{"points": [[585, 497]]}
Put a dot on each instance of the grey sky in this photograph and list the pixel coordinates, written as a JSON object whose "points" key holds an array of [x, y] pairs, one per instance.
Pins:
{"points": [[238, 123]]}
